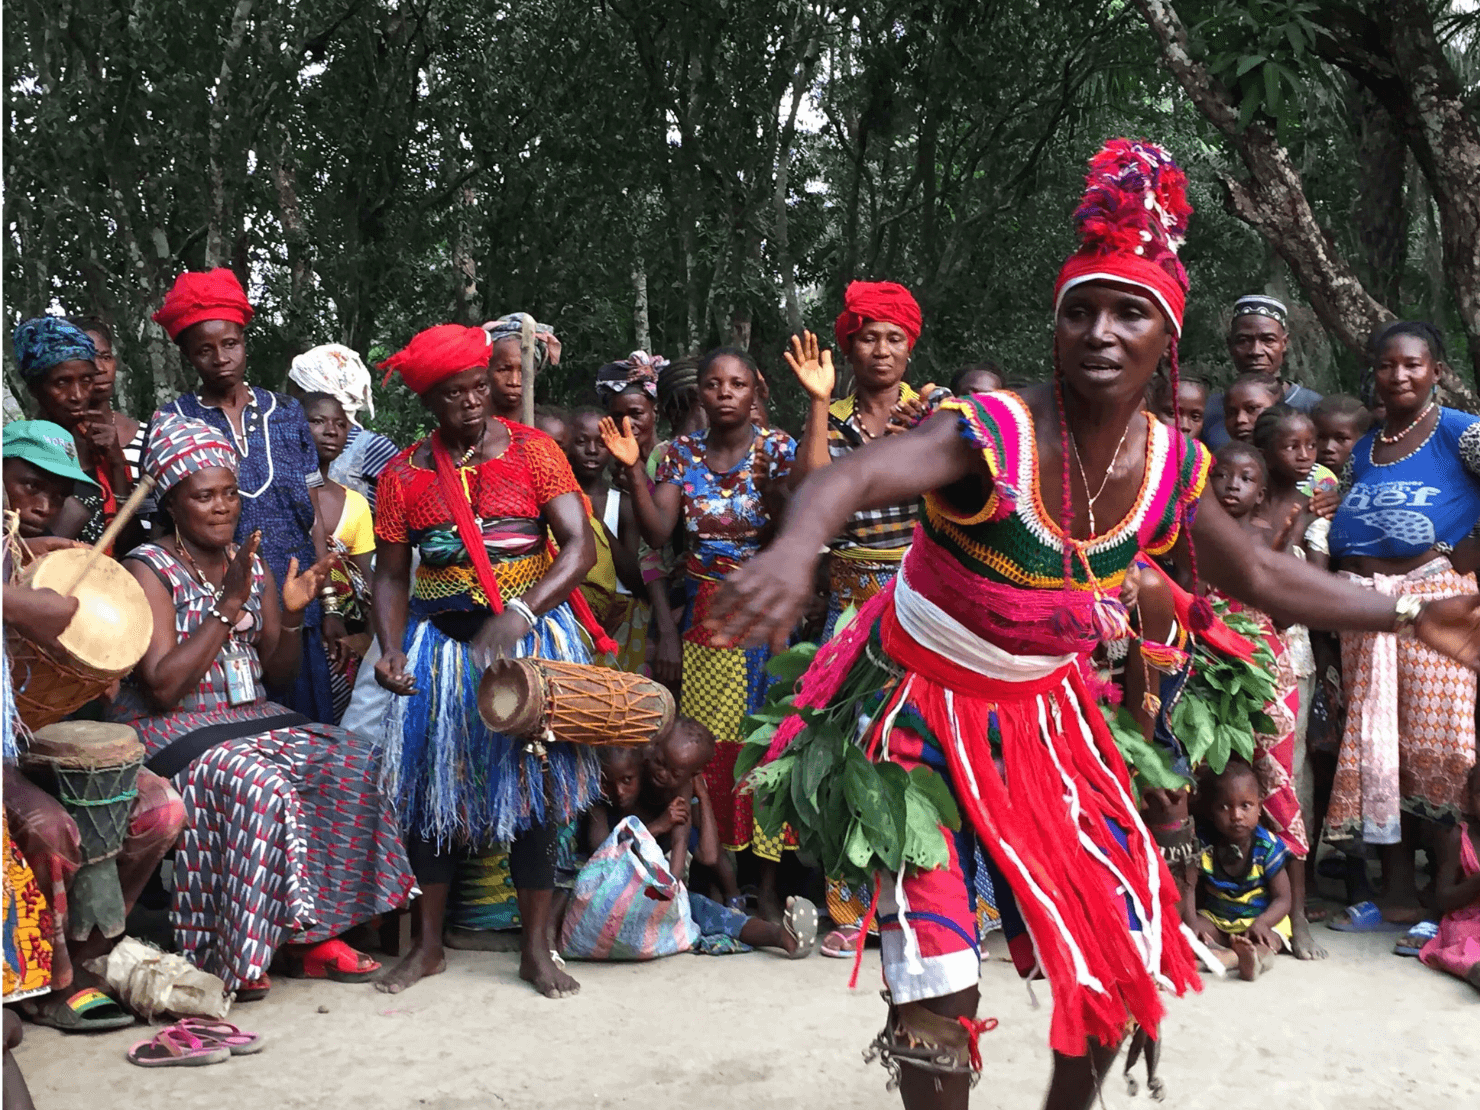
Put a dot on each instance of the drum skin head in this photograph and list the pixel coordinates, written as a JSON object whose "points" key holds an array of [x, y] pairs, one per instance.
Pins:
{"points": [[84, 744], [111, 629]]}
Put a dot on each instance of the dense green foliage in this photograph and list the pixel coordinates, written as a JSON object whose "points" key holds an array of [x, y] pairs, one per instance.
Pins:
{"points": [[375, 166]]}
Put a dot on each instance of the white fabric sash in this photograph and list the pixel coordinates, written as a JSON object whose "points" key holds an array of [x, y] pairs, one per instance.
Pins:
{"points": [[932, 627]]}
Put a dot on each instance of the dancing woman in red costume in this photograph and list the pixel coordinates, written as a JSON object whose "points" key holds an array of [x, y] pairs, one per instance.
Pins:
{"points": [[1035, 504]]}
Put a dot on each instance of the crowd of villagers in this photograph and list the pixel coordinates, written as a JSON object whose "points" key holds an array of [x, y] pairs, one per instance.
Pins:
{"points": [[1105, 658]]}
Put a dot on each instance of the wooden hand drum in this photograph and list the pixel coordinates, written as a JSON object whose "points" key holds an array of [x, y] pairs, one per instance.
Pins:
{"points": [[106, 637], [574, 702], [92, 768]]}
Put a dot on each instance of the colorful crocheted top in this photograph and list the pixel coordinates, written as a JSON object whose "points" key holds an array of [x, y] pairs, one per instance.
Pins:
{"points": [[508, 495], [999, 567]]}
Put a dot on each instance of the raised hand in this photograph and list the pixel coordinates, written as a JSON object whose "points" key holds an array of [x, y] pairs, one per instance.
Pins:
{"points": [[300, 589], [623, 444], [236, 584], [906, 415], [1451, 627], [813, 368]]}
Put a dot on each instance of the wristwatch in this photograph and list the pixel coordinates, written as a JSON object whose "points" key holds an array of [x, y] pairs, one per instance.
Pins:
{"points": [[1406, 613]]}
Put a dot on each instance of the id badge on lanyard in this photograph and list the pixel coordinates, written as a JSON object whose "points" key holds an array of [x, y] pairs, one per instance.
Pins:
{"points": [[241, 687]]}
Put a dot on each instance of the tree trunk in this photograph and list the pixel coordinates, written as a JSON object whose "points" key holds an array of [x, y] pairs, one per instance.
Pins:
{"points": [[465, 296], [218, 239], [1380, 208], [640, 304], [1445, 140], [1273, 200], [297, 242]]}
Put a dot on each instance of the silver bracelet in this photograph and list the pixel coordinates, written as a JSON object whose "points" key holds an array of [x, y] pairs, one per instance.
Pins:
{"points": [[517, 605], [1406, 613]]}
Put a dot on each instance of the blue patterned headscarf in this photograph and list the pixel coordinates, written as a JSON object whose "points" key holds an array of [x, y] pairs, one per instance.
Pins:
{"points": [[49, 341]]}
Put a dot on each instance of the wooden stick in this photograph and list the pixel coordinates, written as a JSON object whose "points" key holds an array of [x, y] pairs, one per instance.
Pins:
{"points": [[526, 371], [130, 507]]}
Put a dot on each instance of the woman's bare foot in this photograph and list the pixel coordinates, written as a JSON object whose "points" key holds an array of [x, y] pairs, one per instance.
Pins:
{"points": [[424, 959], [538, 967], [1301, 942], [1248, 958]]}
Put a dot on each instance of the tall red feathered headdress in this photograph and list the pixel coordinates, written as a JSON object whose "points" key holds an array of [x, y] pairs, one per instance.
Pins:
{"points": [[1131, 222]]}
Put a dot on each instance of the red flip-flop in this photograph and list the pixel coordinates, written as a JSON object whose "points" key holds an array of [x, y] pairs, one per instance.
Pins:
{"points": [[173, 1047], [333, 960], [255, 990]]}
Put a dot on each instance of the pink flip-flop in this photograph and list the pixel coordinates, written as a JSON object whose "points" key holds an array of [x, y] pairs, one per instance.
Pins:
{"points": [[223, 1033], [842, 942], [173, 1047]]}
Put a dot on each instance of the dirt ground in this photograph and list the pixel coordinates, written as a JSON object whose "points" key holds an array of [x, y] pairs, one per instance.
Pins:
{"points": [[1365, 1030]]}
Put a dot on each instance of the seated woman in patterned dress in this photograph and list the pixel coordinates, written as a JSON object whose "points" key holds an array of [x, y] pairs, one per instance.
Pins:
{"points": [[287, 838]]}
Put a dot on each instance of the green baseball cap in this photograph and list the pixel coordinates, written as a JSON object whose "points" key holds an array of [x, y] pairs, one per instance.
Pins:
{"points": [[46, 446]]}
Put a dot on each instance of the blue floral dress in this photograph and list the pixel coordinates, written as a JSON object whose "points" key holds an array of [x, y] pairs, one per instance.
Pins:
{"points": [[724, 515]]}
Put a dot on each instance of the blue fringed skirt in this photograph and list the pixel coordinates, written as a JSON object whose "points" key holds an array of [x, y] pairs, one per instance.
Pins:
{"points": [[453, 780]]}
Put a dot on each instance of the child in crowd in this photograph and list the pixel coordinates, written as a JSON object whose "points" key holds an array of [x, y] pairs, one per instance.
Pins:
{"points": [[981, 377], [1244, 400], [1241, 906], [613, 584], [1238, 479], [1191, 404], [663, 787], [554, 421], [1340, 421], [351, 528], [1287, 439], [1456, 948]]}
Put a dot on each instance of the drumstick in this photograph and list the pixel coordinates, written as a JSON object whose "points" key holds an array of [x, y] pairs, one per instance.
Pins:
{"points": [[130, 507]]}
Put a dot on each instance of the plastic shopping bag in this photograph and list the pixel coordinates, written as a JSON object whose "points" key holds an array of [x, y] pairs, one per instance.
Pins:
{"points": [[627, 905]]}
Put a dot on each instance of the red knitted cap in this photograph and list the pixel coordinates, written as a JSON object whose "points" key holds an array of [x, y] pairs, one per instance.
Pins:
{"points": [[436, 354], [198, 296], [1131, 222]]}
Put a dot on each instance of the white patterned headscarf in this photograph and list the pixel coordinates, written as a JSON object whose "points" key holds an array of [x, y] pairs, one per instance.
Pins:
{"points": [[336, 370]]}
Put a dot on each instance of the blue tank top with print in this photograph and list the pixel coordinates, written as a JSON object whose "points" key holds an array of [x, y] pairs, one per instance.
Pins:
{"points": [[1400, 509]]}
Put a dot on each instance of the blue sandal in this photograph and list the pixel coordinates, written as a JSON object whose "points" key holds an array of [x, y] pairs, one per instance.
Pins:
{"points": [[1365, 917], [1411, 942]]}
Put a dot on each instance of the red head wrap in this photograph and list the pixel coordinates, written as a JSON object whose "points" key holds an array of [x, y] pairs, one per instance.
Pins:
{"points": [[884, 301], [1131, 222], [199, 296], [436, 354]]}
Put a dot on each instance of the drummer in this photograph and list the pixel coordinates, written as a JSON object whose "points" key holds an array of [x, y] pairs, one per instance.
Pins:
{"points": [[56, 360], [478, 499], [40, 469]]}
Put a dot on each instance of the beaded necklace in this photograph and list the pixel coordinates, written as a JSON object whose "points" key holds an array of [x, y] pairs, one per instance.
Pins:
{"points": [[1415, 422], [1372, 447]]}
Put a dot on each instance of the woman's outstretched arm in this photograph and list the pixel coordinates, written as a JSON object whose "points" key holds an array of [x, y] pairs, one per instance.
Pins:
{"points": [[763, 599], [1293, 592]]}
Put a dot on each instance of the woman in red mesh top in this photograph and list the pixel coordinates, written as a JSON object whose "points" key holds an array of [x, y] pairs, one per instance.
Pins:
{"points": [[479, 498]]}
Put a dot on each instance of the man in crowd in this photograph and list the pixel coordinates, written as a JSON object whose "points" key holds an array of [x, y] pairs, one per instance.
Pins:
{"points": [[1257, 341]]}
